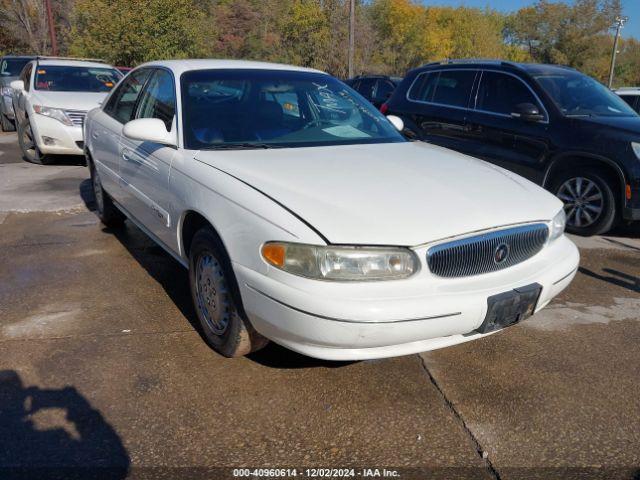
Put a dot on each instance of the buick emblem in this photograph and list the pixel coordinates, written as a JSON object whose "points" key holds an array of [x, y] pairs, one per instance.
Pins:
{"points": [[501, 253]]}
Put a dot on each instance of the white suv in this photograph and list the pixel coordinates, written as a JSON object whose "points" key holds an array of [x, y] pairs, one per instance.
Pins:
{"points": [[305, 217], [51, 100]]}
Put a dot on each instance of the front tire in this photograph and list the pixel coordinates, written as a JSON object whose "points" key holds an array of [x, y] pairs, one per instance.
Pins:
{"points": [[589, 202], [108, 213], [216, 298], [6, 124], [28, 144]]}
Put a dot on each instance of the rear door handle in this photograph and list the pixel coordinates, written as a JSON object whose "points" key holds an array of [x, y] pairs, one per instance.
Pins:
{"points": [[95, 134]]}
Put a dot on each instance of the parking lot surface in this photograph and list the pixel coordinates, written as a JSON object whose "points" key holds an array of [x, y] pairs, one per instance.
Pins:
{"points": [[101, 365]]}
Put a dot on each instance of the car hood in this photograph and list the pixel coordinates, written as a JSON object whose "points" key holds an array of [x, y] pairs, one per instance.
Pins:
{"points": [[388, 194], [628, 124], [69, 100]]}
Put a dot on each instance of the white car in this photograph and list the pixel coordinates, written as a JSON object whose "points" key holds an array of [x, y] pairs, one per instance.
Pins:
{"points": [[306, 218], [631, 95], [51, 100]]}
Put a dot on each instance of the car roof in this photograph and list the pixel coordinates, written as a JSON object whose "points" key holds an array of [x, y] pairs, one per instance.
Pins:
{"points": [[373, 75], [180, 66], [530, 68], [628, 91], [20, 57], [72, 63]]}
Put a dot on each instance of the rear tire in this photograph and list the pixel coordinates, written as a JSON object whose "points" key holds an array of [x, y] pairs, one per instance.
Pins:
{"points": [[216, 298], [107, 212], [28, 145], [6, 124], [589, 201]]}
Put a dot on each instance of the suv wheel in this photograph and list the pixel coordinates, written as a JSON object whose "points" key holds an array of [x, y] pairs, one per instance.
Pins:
{"points": [[6, 124], [215, 298], [107, 212], [29, 146], [589, 202]]}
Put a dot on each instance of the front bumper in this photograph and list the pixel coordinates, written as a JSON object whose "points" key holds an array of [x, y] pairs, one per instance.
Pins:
{"points": [[340, 321], [68, 140]]}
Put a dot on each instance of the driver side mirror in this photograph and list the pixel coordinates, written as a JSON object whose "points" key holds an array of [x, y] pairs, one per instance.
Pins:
{"points": [[527, 112], [150, 130], [17, 85]]}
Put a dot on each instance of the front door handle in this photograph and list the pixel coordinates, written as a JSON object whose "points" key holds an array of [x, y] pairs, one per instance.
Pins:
{"points": [[95, 134]]}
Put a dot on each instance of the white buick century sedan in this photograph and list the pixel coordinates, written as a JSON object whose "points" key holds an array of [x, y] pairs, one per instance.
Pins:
{"points": [[306, 218]]}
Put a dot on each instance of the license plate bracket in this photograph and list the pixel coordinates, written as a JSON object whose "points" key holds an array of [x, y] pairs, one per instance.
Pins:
{"points": [[509, 308]]}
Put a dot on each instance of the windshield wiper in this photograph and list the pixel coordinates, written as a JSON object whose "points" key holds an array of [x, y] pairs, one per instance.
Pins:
{"points": [[240, 146]]}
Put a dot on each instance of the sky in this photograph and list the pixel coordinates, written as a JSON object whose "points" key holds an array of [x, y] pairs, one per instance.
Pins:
{"points": [[631, 10]]}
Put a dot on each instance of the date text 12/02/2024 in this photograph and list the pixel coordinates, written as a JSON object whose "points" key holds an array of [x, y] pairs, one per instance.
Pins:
{"points": [[315, 473]]}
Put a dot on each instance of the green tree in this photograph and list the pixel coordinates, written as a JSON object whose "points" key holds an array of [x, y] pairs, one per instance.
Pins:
{"points": [[128, 33], [570, 34]]}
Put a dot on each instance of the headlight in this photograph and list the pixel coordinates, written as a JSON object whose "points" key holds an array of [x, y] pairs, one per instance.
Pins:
{"points": [[6, 91], [341, 263], [55, 113], [557, 225]]}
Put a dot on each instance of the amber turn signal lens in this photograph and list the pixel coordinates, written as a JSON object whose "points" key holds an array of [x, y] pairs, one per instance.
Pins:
{"points": [[274, 253], [628, 192]]}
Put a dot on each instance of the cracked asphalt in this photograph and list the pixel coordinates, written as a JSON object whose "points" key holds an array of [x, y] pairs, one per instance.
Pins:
{"points": [[101, 366]]}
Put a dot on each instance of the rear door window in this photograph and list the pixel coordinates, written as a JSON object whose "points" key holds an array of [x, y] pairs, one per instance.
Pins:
{"points": [[447, 87], [501, 93]]}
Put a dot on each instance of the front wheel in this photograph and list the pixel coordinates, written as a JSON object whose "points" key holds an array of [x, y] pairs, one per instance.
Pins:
{"points": [[28, 144], [216, 298], [589, 202]]}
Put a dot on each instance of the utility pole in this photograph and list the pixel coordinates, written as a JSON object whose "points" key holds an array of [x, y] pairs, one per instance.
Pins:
{"points": [[352, 35], [618, 26], [52, 28]]}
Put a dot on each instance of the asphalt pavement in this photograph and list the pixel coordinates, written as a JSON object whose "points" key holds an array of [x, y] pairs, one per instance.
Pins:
{"points": [[101, 366]]}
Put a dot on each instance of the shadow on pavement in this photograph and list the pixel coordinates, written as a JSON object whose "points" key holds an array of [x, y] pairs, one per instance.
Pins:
{"points": [[86, 446], [631, 230], [63, 160], [86, 194], [615, 277], [275, 356]]}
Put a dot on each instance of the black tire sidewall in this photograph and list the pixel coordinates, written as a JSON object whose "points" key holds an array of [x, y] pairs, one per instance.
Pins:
{"points": [[228, 343], [7, 125], [39, 158], [607, 218]]}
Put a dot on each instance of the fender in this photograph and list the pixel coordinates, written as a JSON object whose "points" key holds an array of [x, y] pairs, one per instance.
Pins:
{"points": [[555, 161]]}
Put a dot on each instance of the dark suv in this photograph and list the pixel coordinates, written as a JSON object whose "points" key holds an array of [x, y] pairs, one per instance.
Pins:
{"points": [[375, 88], [551, 124]]}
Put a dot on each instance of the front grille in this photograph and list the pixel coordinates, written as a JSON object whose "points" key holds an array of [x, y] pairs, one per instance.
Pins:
{"points": [[76, 116], [486, 253]]}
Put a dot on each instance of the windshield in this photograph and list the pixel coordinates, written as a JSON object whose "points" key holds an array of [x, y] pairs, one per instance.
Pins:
{"points": [[578, 95], [271, 108], [11, 67], [58, 78]]}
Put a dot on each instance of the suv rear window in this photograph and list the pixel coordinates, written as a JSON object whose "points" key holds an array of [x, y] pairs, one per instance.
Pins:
{"points": [[446, 87]]}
